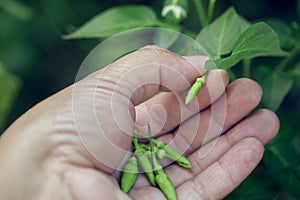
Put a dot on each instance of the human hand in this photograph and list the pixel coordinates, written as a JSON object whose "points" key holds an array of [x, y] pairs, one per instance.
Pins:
{"points": [[69, 145]]}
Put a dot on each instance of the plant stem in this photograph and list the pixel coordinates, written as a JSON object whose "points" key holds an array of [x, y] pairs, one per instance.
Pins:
{"points": [[211, 8], [287, 60], [231, 74], [246, 68], [201, 13]]}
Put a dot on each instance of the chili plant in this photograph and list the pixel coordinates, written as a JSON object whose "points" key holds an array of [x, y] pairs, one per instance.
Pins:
{"points": [[234, 44]]}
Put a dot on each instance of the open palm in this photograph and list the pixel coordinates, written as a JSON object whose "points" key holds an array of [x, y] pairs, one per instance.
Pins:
{"points": [[60, 150]]}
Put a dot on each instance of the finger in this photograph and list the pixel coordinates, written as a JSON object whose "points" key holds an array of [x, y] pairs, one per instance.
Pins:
{"points": [[141, 74], [224, 175], [103, 103], [172, 105], [253, 126], [241, 96]]}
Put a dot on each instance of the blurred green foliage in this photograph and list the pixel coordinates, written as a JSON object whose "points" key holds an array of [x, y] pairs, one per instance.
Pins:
{"points": [[32, 49], [9, 87], [37, 62]]}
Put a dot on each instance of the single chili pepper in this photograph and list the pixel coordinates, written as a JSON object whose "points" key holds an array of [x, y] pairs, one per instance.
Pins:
{"points": [[166, 186], [195, 89], [144, 161], [129, 175], [162, 179], [172, 154]]}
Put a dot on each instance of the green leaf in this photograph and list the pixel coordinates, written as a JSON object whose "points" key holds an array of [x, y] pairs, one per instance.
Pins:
{"points": [[219, 37], [295, 72], [9, 87], [283, 161], [296, 144], [258, 40], [276, 87], [284, 32], [116, 20], [17, 9], [297, 171]]}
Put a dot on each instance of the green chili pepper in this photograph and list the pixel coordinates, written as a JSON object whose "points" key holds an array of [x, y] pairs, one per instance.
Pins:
{"points": [[195, 89], [184, 162], [172, 154], [161, 178], [130, 174], [163, 181], [166, 186], [144, 161]]}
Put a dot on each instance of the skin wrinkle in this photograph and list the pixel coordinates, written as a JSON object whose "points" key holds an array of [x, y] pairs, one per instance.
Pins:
{"points": [[201, 189], [163, 55], [63, 146], [126, 93], [229, 178], [107, 88], [146, 55], [116, 140], [194, 190], [56, 160]]}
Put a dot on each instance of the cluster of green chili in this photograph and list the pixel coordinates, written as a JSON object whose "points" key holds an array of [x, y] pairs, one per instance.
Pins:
{"points": [[146, 156]]}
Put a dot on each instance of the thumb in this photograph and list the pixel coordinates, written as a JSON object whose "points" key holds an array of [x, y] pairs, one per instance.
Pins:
{"points": [[103, 103]]}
